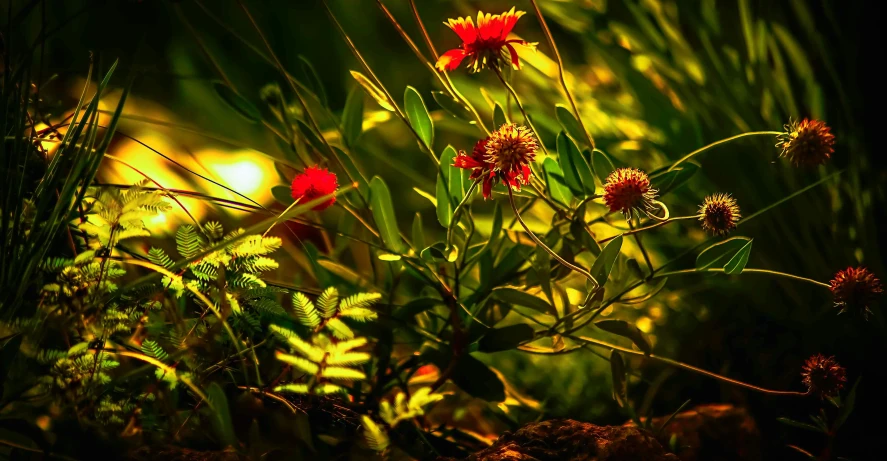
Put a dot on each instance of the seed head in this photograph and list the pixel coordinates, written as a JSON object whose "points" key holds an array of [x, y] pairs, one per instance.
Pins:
{"points": [[806, 143], [823, 376], [856, 290], [627, 189], [719, 214], [510, 149]]}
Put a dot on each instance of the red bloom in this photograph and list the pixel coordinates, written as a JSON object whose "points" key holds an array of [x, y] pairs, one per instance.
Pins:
{"points": [[628, 189], [807, 143], [484, 45], [856, 290], [505, 155], [313, 183], [823, 376]]}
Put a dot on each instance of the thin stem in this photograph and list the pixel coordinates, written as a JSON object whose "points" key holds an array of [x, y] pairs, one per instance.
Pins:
{"points": [[545, 247], [684, 366], [455, 220], [467, 104], [520, 106], [642, 229], [276, 221], [717, 143], [637, 239], [561, 72], [425, 35], [747, 271]]}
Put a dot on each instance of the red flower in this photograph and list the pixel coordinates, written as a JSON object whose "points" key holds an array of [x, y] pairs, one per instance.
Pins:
{"points": [[484, 45], [856, 290], [313, 183], [628, 189], [807, 143], [505, 155], [823, 376]]}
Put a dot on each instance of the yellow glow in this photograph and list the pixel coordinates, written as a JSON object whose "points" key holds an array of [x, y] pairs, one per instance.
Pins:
{"points": [[645, 324], [243, 176]]}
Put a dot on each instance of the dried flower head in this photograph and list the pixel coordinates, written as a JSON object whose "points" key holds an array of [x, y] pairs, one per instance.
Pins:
{"points": [[856, 290], [315, 182], [485, 45], [806, 143], [628, 189], [719, 214], [823, 376], [505, 155]]}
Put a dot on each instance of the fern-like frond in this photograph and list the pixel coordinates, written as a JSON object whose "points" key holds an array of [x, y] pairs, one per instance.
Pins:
{"points": [[328, 302], [348, 358], [342, 373], [152, 349], [311, 352], [189, 242], [294, 388], [214, 230], [375, 436], [159, 257], [345, 346], [338, 328], [328, 388], [360, 314], [422, 398], [132, 233], [360, 300], [301, 363], [305, 310]]}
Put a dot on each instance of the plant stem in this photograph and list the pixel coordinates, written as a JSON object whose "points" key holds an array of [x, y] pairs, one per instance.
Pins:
{"points": [[276, 221], [455, 220], [520, 106], [560, 68], [716, 143], [637, 239], [545, 247], [642, 229], [684, 366]]}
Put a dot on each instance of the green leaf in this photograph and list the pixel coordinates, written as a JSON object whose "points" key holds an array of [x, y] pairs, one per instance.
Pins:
{"points": [[352, 117], [353, 172], [237, 102], [311, 138], [505, 338], [383, 214], [372, 90], [522, 298], [305, 310], [604, 263], [570, 124], [848, 405], [627, 330], [554, 179], [346, 374], [311, 80], [620, 384], [601, 164], [577, 173], [339, 329], [418, 116], [328, 302], [221, 419], [374, 436], [739, 260], [301, 363], [450, 188], [499, 117], [478, 380], [416, 307], [718, 254], [418, 232], [799, 424], [671, 180], [452, 106], [283, 195]]}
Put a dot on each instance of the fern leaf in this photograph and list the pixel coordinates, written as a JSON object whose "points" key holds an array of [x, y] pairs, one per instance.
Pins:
{"points": [[375, 436], [328, 388], [214, 230], [294, 388], [311, 352], [260, 264], [188, 241], [84, 258], [159, 257], [267, 306], [132, 233], [305, 310], [328, 302], [387, 413], [303, 364], [347, 374], [345, 346], [422, 398], [348, 358], [360, 300], [338, 328], [360, 314]]}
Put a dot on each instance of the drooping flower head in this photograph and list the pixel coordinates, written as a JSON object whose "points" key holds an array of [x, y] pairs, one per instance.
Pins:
{"points": [[485, 45], [823, 376], [719, 214], [856, 290], [315, 182], [628, 189], [506, 154], [806, 143]]}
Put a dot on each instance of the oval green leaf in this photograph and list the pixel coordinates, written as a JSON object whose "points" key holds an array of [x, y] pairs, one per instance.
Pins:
{"points": [[452, 106], [720, 253], [505, 338], [577, 173], [499, 117], [521, 298], [352, 117], [383, 214], [418, 116], [237, 102], [604, 263], [554, 179], [626, 330], [570, 124], [620, 384], [739, 260], [372, 90], [601, 164]]}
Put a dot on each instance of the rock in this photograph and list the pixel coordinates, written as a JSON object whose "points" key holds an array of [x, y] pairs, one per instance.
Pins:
{"points": [[716, 432], [569, 440], [175, 453]]}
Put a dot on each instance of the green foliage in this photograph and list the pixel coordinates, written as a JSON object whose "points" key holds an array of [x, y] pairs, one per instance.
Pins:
{"points": [[325, 361], [329, 312]]}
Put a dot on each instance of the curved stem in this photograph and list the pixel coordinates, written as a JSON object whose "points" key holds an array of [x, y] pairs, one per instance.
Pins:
{"points": [[748, 271], [561, 72], [637, 239], [545, 247], [425, 35], [716, 143], [684, 366], [520, 106], [642, 229], [277, 221], [455, 221]]}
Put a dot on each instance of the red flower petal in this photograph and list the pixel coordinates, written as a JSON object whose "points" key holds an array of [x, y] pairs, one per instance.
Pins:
{"points": [[450, 60], [514, 60], [464, 28], [315, 182]]}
